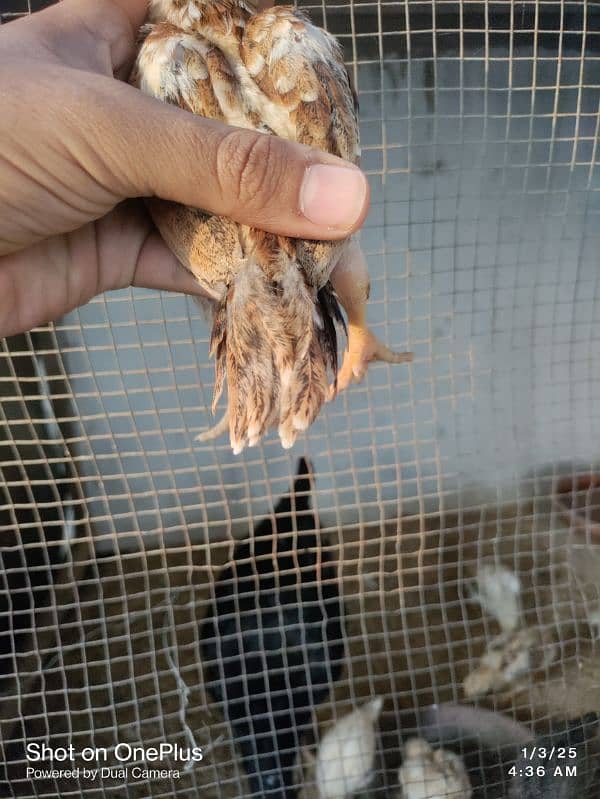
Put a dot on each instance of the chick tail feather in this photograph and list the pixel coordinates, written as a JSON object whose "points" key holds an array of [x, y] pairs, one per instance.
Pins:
{"points": [[273, 342]]}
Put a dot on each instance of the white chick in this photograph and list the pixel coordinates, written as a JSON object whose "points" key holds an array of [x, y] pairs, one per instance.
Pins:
{"points": [[508, 658], [347, 753], [426, 773], [498, 592]]}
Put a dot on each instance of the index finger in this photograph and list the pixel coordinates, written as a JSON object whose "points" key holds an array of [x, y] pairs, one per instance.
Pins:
{"points": [[96, 35]]}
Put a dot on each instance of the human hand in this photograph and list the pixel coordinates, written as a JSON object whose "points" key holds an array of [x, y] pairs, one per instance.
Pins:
{"points": [[77, 142]]}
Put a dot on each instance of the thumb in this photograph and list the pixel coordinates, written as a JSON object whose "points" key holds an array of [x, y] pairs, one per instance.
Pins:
{"points": [[154, 149]]}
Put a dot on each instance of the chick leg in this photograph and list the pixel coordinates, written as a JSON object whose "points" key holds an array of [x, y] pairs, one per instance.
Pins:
{"points": [[350, 280]]}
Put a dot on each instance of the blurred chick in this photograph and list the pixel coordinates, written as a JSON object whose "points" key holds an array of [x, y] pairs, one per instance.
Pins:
{"points": [[509, 657], [573, 744], [540, 771], [273, 641], [498, 592], [428, 773], [274, 299], [346, 753]]}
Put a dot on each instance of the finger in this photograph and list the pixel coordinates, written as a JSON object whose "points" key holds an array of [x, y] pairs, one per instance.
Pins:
{"points": [[129, 252], [157, 268], [146, 147], [134, 145], [97, 35], [45, 281], [114, 22]]}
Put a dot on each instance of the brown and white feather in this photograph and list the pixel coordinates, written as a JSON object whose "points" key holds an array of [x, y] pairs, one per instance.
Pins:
{"points": [[275, 314]]}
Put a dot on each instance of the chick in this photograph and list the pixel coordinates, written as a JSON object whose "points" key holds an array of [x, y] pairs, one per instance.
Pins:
{"points": [[541, 770], [508, 659], [562, 764], [274, 299], [273, 640], [498, 592], [428, 773], [346, 754]]}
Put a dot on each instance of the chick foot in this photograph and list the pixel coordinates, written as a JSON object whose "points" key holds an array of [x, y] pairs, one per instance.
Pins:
{"points": [[363, 348], [350, 281]]}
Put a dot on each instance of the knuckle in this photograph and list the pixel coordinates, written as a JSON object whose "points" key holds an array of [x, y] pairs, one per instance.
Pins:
{"points": [[249, 169]]}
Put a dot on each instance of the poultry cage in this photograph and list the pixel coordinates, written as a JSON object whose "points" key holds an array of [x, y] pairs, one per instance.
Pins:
{"points": [[458, 496]]}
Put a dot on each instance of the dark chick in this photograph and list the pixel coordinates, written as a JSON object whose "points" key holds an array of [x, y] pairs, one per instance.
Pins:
{"points": [[541, 773], [272, 641]]}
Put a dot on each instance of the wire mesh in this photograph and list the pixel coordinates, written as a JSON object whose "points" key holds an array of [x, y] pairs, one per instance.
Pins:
{"points": [[479, 126]]}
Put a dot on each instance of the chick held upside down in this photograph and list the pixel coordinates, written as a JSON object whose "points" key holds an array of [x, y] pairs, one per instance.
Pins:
{"points": [[275, 300]]}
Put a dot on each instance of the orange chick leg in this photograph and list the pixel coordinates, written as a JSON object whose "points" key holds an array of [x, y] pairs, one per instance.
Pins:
{"points": [[350, 280]]}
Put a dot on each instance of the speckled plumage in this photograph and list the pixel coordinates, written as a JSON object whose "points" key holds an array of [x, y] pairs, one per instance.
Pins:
{"points": [[510, 658], [275, 311]]}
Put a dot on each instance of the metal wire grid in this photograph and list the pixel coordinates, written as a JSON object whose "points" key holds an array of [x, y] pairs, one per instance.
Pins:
{"points": [[479, 128], [118, 676]]}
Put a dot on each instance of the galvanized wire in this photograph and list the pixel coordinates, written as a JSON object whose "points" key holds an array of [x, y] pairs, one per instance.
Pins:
{"points": [[479, 124]]}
